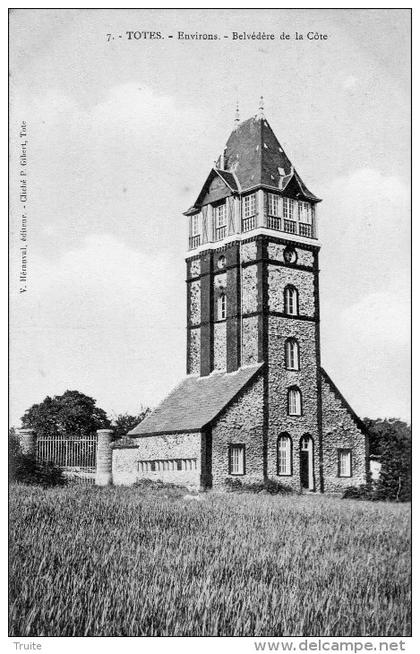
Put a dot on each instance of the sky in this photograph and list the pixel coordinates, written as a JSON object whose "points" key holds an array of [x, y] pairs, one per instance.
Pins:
{"points": [[121, 137]]}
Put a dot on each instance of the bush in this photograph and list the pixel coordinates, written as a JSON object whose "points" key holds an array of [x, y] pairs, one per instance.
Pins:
{"points": [[364, 492], [391, 440], [25, 469], [233, 484], [270, 486]]}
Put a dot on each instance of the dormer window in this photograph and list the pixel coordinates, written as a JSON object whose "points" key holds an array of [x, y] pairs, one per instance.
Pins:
{"points": [[220, 221]]}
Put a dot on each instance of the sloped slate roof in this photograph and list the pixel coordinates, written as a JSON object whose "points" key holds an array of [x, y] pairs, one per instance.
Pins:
{"points": [[195, 402], [253, 157], [229, 178]]}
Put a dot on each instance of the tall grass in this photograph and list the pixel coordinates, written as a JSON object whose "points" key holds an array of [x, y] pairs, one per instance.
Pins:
{"points": [[133, 562]]}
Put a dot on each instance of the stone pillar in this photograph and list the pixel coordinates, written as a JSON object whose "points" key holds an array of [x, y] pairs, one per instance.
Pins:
{"points": [[27, 440], [104, 458]]}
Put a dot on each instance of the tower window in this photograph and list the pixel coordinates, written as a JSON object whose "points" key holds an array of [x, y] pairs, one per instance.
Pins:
{"points": [[344, 463], [220, 221], [284, 455], [273, 205], [292, 354], [305, 219], [288, 205], [221, 306], [195, 224], [294, 402], [304, 212], [291, 301], [237, 460], [249, 205], [195, 231]]}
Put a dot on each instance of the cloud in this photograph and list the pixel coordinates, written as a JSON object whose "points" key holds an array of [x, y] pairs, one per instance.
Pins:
{"points": [[105, 319], [350, 82], [114, 166], [365, 290]]}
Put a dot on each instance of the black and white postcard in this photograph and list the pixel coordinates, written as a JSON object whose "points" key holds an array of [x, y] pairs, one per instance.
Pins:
{"points": [[210, 354]]}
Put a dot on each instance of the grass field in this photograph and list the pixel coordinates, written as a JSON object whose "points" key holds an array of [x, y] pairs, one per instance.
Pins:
{"points": [[86, 561]]}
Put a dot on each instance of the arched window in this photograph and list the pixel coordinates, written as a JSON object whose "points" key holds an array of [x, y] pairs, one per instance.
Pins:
{"points": [[292, 354], [291, 301], [284, 455], [221, 306], [294, 402]]}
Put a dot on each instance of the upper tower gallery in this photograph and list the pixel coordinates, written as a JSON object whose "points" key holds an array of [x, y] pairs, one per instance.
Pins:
{"points": [[253, 186]]}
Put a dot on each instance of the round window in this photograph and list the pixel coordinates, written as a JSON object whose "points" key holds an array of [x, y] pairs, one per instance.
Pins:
{"points": [[290, 255], [221, 262]]}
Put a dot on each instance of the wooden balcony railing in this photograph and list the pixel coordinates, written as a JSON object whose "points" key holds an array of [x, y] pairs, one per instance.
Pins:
{"points": [[289, 226], [194, 242], [305, 230], [248, 223], [274, 222]]}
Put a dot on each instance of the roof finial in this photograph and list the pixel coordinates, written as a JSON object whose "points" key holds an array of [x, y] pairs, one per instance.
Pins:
{"points": [[237, 119], [261, 108]]}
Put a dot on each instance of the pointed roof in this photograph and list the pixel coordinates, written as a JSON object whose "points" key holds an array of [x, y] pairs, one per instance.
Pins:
{"points": [[256, 157], [253, 157], [195, 402]]}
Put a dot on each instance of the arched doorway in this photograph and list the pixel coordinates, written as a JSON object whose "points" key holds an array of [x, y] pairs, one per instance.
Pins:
{"points": [[307, 462]]}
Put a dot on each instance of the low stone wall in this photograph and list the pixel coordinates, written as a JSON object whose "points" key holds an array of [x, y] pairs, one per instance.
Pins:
{"points": [[124, 465], [165, 453]]}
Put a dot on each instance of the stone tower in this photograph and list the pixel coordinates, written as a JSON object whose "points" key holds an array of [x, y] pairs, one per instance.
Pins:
{"points": [[252, 285], [255, 404]]}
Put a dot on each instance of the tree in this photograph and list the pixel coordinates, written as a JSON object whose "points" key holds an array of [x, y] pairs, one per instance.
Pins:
{"points": [[124, 422], [72, 413], [391, 440]]}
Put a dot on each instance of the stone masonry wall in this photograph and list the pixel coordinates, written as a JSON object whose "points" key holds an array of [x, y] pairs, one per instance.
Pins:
{"points": [[279, 277], [249, 289], [248, 251], [219, 345], [125, 466], [249, 340], [194, 351], [276, 252], [195, 302], [172, 446], [195, 267], [279, 380], [340, 431], [241, 423]]}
